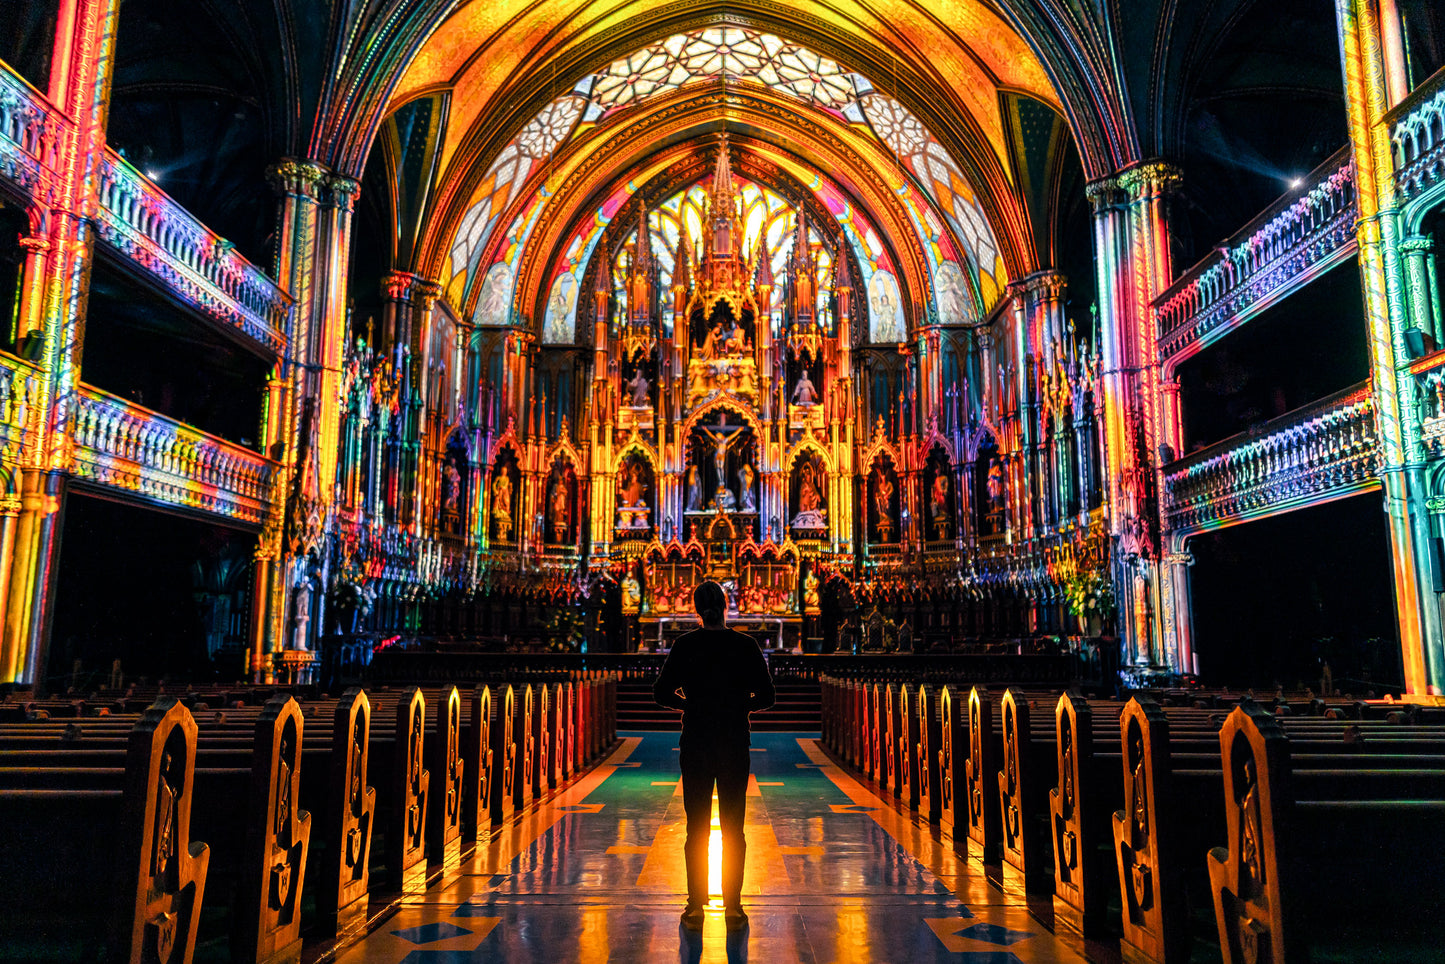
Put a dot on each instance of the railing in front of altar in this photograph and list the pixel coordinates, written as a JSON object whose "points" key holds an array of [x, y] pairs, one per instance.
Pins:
{"points": [[1311, 455], [403, 665], [152, 231], [1297, 238], [425, 666]]}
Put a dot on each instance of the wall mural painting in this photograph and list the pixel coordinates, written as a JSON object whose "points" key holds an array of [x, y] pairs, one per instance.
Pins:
{"points": [[494, 304], [885, 310], [560, 325]]}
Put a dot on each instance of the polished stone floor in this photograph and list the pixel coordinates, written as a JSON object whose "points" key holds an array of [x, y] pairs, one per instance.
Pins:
{"points": [[834, 875]]}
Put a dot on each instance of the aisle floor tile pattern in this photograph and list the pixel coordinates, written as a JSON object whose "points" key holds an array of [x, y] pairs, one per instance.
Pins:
{"points": [[834, 876]]}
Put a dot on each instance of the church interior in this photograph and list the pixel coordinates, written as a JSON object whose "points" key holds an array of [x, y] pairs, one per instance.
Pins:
{"points": [[392, 372]]}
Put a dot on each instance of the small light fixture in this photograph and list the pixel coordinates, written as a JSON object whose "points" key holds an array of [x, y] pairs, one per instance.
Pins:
{"points": [[153, 174], [1296, 182]]}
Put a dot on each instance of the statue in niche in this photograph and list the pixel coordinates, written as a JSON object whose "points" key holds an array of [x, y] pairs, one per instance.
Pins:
{"points": [[559, 507], [694, 489], [722, 436], [804, 393], [995, 486], [709, 349], [747, 500], [451, 487], [938, 505], [811, 514], [502, 505], [632, 488], [811, 601], [736, 342], [638, 387], [631, 593], [883, 502]]}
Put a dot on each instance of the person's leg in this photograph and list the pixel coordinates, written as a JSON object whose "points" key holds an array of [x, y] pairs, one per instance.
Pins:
{"points": [[697, 780], [732, 789]]}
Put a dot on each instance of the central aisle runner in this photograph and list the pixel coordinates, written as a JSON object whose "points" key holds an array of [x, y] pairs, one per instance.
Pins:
{"points": [[834, 876]]}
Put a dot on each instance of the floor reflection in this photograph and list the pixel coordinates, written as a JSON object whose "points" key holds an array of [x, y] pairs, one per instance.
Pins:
{"points": [[596, 875]]}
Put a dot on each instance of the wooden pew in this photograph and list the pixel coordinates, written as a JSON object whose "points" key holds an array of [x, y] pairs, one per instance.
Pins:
{"points": [[477, 761], [1024, 781], [927, 719], [128, 830], [504, 752], [1079, 808], [267, 922], [410, 790], [525, 739], [985, 824], [349, 820], [1329, 857], [445, 765]]}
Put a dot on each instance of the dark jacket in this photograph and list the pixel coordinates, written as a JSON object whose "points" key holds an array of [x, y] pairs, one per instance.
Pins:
{"points": [[723, 677]]}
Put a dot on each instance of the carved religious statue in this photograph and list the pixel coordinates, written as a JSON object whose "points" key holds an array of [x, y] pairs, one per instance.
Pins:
{"points": [[804, 393], [811, 513], [938, 505], [631, 593], [722, 436], [694, 489], [883, 501], [502, 505], [995, 486], [559, 507], [747, 500], [451, 487], [632, 489], [638, 387], [812, 604]]}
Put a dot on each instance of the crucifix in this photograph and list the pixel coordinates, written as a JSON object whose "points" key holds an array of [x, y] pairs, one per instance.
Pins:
{"points": [[722, 436]]}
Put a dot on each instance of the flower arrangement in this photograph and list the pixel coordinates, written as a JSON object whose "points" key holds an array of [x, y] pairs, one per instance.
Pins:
{"points": [[565, 630], [1089, 593], [353, 596]]}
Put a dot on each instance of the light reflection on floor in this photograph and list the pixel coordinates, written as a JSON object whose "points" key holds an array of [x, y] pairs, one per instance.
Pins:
{"points": [[596, 875]]}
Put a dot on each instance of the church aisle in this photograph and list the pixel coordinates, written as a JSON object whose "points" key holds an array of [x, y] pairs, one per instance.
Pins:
{"points": [[596, 874]]}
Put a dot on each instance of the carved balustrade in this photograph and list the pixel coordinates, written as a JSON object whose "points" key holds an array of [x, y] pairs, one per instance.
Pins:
{"points": [[19, 383], [1315, 453], [1417, 130], [152, 231], [123, 445], [1296, 238], [30, 132]]}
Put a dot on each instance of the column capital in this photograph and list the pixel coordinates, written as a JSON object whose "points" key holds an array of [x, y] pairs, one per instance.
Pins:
{"points": [[1045, 285], [410, 288], [1104, 194], [342, 191], [1154, 178], [1422, 244], [298, 178]]}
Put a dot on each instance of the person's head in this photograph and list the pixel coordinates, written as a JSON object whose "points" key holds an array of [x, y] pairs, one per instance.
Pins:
{"points": [[710, 602]]}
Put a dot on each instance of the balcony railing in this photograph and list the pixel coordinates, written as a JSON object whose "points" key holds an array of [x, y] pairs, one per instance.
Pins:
{"points": [[125, 446], [29, 134], [19, 382], [1295, 239], [145, 225], [1308, 456], [1417, 130]]}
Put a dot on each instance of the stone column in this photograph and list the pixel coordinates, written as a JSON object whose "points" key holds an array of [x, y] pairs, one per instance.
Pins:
{"points": [[53, 307], [1368, 61], [303, 414], [1132, 254]]}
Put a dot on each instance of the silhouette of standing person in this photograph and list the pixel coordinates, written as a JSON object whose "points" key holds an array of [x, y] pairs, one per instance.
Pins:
{"points": [[716, 676]]}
